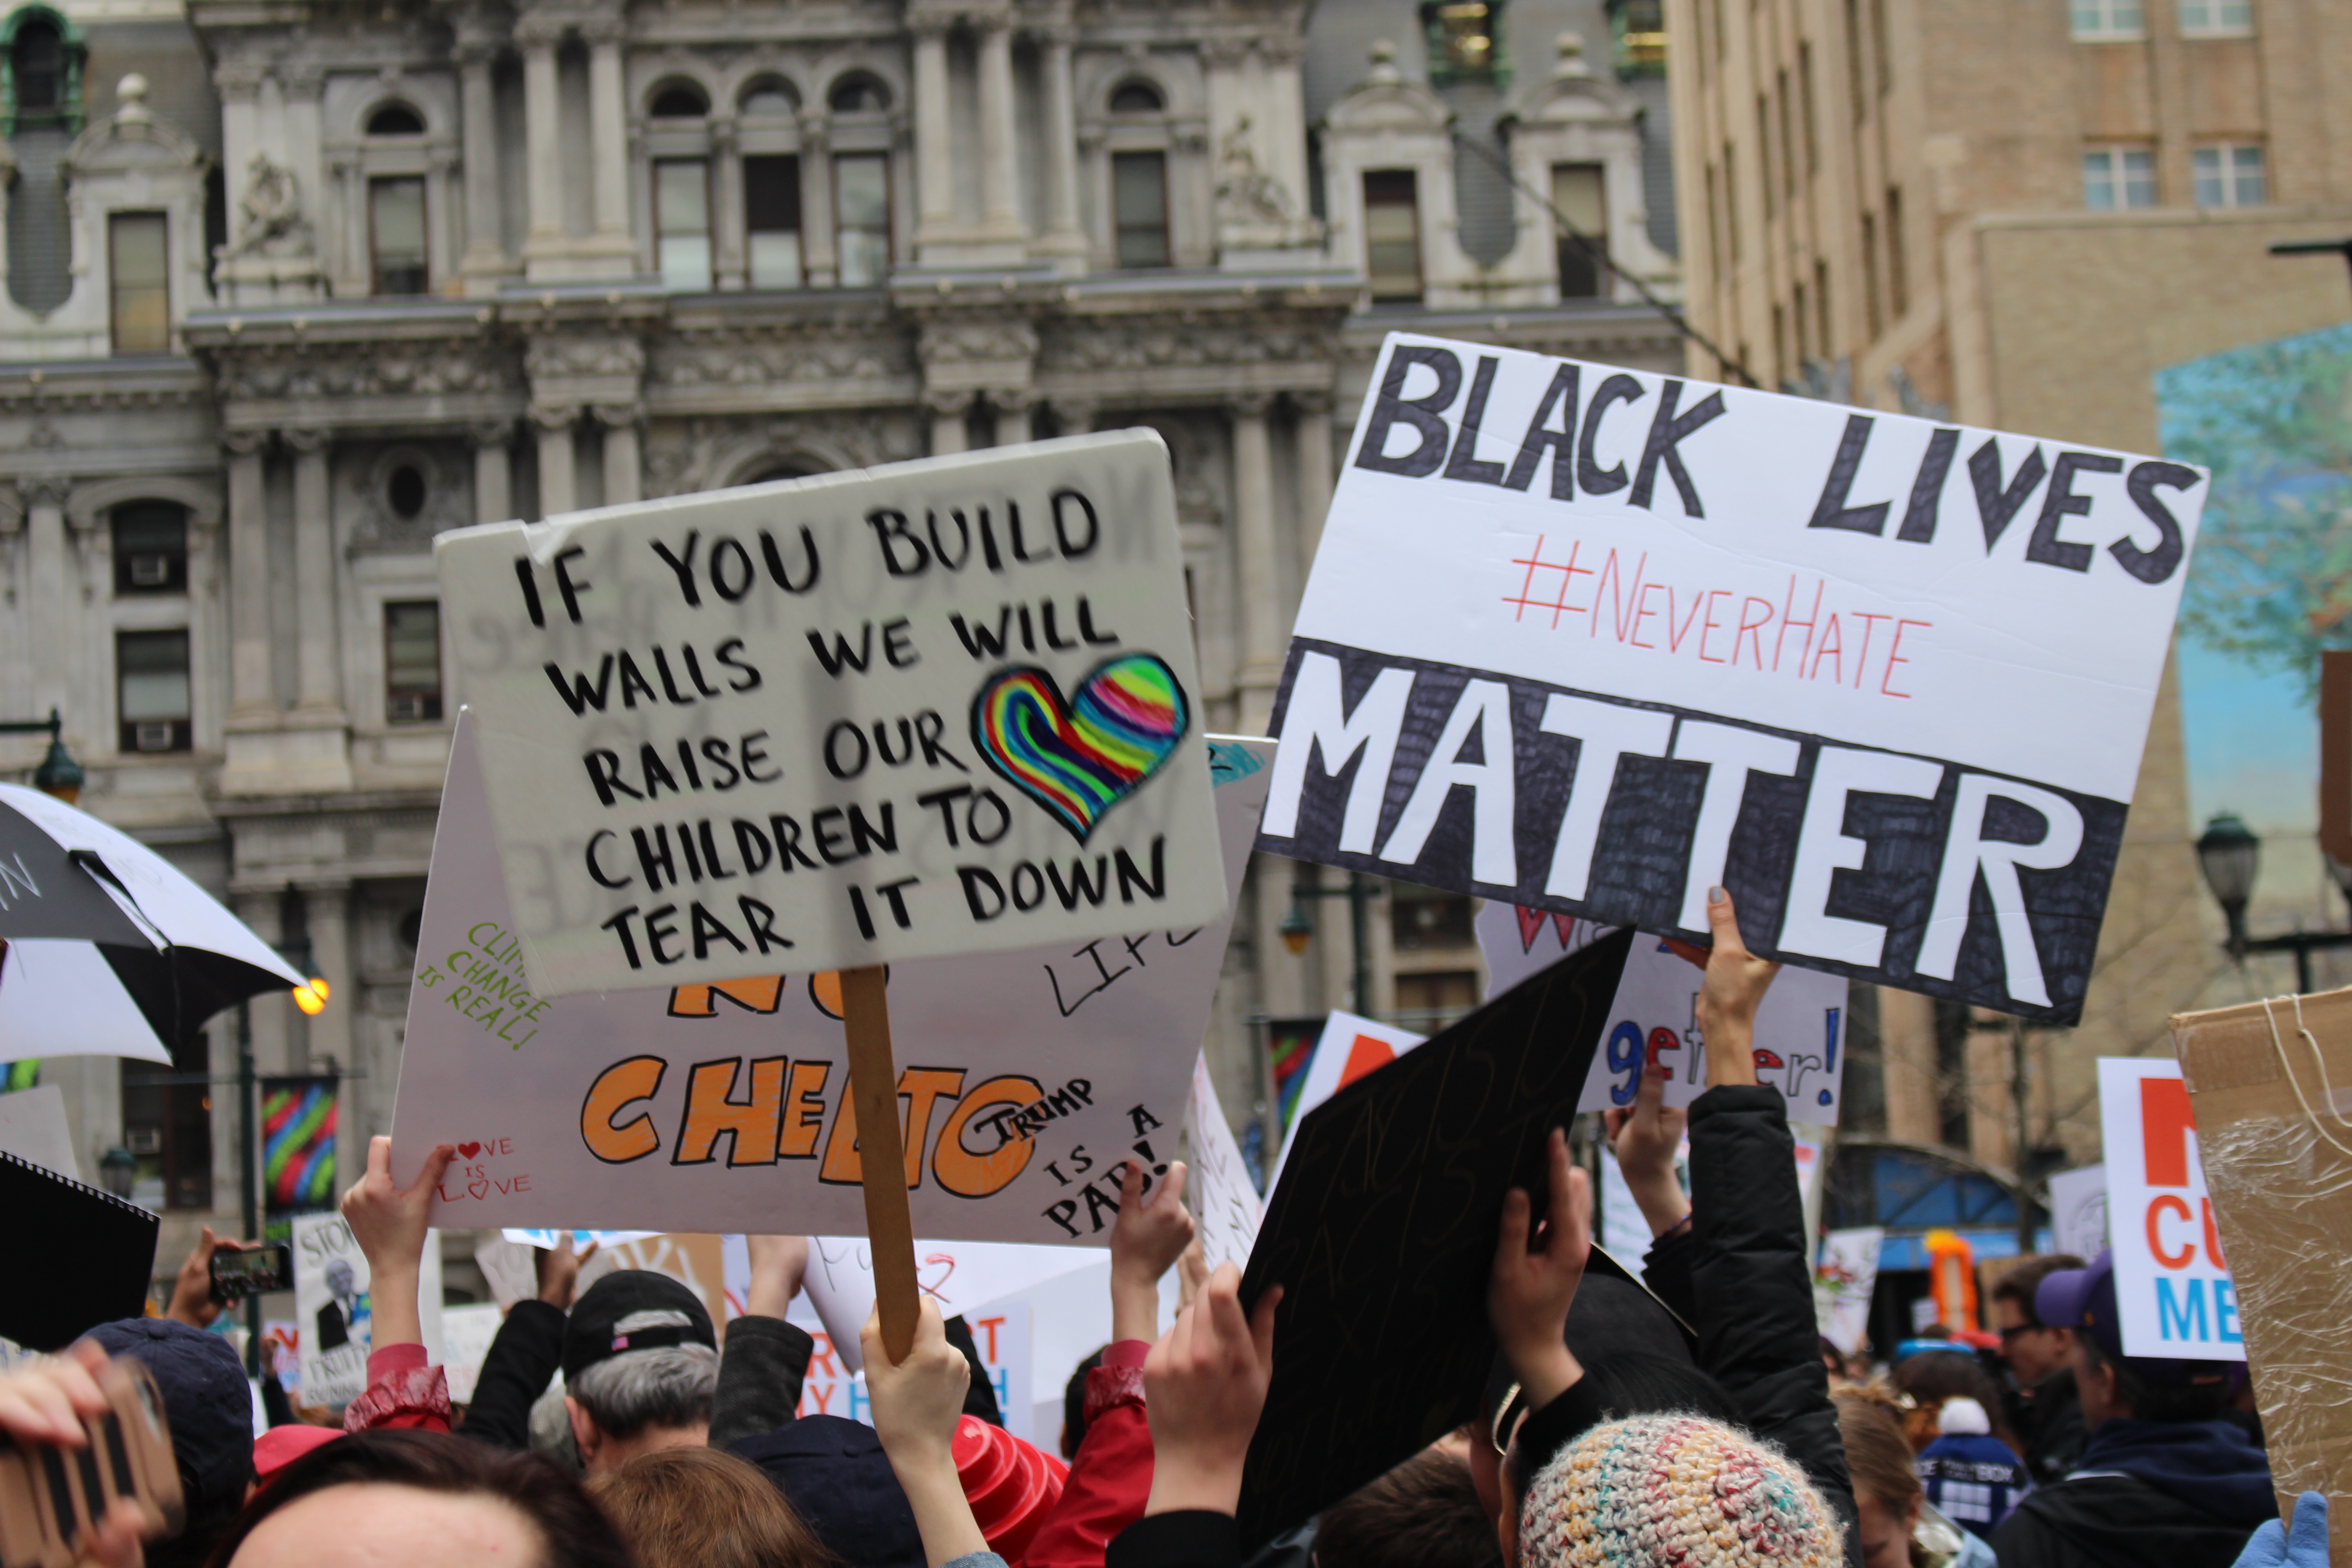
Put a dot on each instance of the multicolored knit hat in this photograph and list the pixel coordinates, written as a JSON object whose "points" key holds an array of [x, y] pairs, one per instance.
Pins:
{"points": [[1674, 1489]]}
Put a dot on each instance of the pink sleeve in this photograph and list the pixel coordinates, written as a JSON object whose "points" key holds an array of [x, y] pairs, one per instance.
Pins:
{"points": [[1110, 1479], [402, 1392]]}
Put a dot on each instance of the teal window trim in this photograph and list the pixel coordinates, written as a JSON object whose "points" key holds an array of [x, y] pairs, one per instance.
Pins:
{"points": [[75, 49]]}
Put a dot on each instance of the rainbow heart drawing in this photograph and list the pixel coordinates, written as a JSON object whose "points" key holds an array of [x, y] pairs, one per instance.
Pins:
{"points": [[1080, 757]]}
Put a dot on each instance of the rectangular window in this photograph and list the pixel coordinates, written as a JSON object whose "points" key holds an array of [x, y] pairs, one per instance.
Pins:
{"points": [[1805, 107], [1714, 228], [396, 235], [411, 662], [1882, 50], [1787, 106], [2216, 18], [151, 690], [1802, 323], [1392, 233], [167, 1126], [2229, 176], [1580, 192], [682, 225], [1870, 275], [1432, 1001], [1422, 919], [151, 547], [2118, 177], [1821, 304], [861, 200], [2106, 18], [1781, 364], [1899, 269], [139, 274], [1139, 201], [1764, 154], [1855, 93], [772, 220], [1731, 200]]}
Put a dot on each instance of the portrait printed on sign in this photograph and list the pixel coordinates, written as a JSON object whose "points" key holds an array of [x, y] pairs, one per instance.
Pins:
{"points": [[944, 707], [1593, 641]]}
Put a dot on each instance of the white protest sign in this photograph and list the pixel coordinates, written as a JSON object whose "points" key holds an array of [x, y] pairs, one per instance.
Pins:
{"points": [[961, 1276], [2174, 1294], [1348, 1047], [1225, 1206], [465, 1335], [33, 1126], [1800, 1028], [836, 1385], [1851, 666], [941, 708], [1844, 1281], [335, 1313], [1024, 1078], [2078, 1211]]}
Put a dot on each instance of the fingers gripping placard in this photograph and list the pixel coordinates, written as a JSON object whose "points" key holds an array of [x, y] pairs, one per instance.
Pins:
{"points": [[945, 707]]}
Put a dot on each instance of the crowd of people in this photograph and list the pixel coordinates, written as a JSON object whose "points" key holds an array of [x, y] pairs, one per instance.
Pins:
{"points": [[1693, 1424]]}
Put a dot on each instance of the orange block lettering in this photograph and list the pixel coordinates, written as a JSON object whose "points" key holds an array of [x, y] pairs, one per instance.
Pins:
{"points": [[751, 1125], [616, 1088], [2164, 1124], [759, 993]]}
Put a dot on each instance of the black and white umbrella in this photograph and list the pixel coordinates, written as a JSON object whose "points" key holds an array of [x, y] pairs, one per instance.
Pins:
{"points": [[111, 949]]}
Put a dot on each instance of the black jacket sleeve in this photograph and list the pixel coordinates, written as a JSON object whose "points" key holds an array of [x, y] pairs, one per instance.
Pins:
{"points": [[1667, 1272], [1752, 1278], [1190, 1537], [524, 1356], [760, 1377]]}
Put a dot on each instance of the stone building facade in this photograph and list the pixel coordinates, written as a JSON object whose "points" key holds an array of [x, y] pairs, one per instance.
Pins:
{"points": [[293, 285]]}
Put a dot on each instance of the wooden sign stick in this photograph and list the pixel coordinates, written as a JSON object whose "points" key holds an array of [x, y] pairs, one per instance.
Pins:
{"points": [[882, 1156]]}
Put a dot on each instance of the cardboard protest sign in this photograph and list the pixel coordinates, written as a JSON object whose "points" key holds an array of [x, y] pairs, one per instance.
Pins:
{"points": [[334, 1312], [2265, 1080], [1217, 1189], [1800, 1029], [1844, 1280], [2174, 1294], [1591, 640], [725, 1108], [944, 707], [2078, 1211], [1382, 1236]]}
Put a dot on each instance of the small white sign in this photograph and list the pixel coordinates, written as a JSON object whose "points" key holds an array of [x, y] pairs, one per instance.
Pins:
{"points": [[2173, 1291], [1844, 1281], [1224, 1206], [335, 1311], [2078, 1211]]}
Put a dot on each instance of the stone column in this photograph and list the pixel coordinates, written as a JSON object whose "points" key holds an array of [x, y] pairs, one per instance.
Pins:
{"points": [[1063, 235], [624, 476], [1255, 564], [817, 258], [558, 490], [1315, 476], [1076, 415], [608, 126], [486, 254], [271, 1010], [331, 1033], [1000, 208], [948, 432], [54, 600], [730, 250], [1014, 407], [543, 103], [254, 682], [314, 573], [934, 136], [493, 470]]}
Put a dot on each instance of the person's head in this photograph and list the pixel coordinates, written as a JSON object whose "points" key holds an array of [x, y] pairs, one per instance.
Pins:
{"points": [[343, 1284], [421, 1497], [2034, 1350], [1887, 1490], [1674, 1489], [702, 1508], [1930, 1378], [1424, 1514], [210, 1408], [640, 1367], [2116, 1387], [1073, 1406]]}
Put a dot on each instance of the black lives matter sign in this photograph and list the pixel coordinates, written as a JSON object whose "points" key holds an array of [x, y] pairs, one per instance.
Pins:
{"points": [[1595, 641]]}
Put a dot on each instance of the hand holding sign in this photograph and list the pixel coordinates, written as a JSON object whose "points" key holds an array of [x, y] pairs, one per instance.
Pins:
{"points": [[1530, 1291]]}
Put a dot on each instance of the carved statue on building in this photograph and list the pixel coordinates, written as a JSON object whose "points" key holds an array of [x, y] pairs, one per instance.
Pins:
{"points": [[1246, 193], [270, 215]]}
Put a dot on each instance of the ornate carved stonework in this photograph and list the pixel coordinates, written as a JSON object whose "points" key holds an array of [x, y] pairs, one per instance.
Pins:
{"points": [[601, 354], [963, 339], [1181, 341], [740, 359], [366, 369], [684, 456], [270, 215]]}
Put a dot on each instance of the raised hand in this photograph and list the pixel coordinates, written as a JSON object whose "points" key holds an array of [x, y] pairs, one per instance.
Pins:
{"points": [[192, 1289], [917, 1405], [1646, 1136], [1146, 1240], [1203, 1388], [779, 1264], [558, 1267], [1529, 1292], [1728, 998], [388, 1222]]}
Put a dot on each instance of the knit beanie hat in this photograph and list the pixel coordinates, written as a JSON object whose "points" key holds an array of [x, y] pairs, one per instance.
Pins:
{"points": [[1675, 1489]]}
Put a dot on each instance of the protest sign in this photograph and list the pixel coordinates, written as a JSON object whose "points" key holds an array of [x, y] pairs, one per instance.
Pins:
{"points": [[959, 1276], [2078, 1211], [1886, 680], [465, 1335], [1348, 1047], [1800, 1029], [33, 1126], [721, 1106], [835, 1383], [334, 1313], [939, 707], [1844, 1278], [2174, 1294], [1382, 1238], [2277, 1153], [1225, 1206]]}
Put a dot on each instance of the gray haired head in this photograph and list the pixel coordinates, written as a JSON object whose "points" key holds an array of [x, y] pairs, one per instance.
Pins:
{"points": [[671, 1386]]}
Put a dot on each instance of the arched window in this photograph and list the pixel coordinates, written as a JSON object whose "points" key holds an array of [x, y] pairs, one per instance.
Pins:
{"points": [[769, 97], [679, 100], [1134, 97], [787, 470], [41, 72], [396, 119], [860, 92]]}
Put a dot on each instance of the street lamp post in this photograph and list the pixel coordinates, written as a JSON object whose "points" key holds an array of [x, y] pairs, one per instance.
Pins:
{"points": [[59, 774], [1297, 928], [2229, 855]]}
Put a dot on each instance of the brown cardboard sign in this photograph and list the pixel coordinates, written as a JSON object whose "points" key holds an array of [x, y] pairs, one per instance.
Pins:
{"points": [[2271, 1085]]}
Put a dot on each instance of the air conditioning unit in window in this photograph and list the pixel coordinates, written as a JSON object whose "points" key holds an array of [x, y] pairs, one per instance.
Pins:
{"points": [[403, 709], [144, 1140], [152, 737], [149, 570]]}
